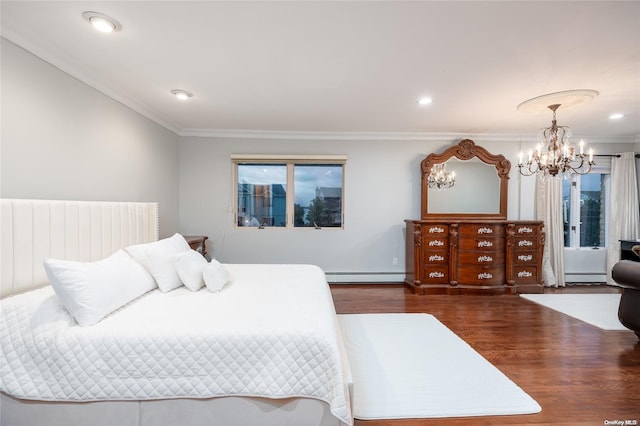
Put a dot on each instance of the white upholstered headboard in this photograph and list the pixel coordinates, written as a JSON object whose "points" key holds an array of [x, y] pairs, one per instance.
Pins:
{"points": [[34, 230]]}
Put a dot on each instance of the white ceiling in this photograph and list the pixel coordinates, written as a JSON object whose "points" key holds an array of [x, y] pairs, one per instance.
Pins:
{"points": [[336, 67]]}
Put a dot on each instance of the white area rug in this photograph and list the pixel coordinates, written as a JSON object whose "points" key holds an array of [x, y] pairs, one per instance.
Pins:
{"points": [[600, 310], [412, 366]]}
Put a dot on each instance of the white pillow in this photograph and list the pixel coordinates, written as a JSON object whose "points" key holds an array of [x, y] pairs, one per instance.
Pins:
{"points": [[158, 258], [190, 266], [215, 276], [92, 290]]}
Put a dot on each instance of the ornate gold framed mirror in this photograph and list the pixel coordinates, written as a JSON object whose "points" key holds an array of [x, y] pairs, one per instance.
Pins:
{"points": [[479, 189]]}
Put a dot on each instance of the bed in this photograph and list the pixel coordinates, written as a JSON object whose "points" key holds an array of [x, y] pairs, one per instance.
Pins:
{"points": [[265, 350]]}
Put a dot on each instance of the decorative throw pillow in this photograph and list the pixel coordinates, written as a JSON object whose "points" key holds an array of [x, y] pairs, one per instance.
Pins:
{"points": [[158, 258], [215, 276], [92, 290], [190, 266]]}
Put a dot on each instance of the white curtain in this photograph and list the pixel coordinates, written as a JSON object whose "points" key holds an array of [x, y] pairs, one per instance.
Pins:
{"points": [[624, 219], [549, 210]]}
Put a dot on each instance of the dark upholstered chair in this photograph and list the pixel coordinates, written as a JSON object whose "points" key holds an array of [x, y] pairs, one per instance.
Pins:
{"points": [[627, 274]]}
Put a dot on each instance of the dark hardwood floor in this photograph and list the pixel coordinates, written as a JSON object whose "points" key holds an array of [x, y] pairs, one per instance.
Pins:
{"points": [[578, 373]]}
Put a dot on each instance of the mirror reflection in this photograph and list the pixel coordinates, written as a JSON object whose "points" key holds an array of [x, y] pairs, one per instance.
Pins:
{"points": [[440, 178], [476, 189]]}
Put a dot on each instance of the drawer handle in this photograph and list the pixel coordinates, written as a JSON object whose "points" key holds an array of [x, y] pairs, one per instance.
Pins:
{"points": [[485, 243], [525, 243], [485, 259], [435, 257], [525, 230], [485, 230], [526, 258], [524, 274], [485, 276], [437, 243], [436, 229], [436, 274]]}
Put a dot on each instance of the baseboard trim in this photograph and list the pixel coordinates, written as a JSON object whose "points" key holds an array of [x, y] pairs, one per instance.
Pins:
{"points": [[365, 277], [585, 278], [387, 277]]}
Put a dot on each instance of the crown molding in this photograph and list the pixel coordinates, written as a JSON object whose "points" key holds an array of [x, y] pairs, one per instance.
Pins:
{"points": [[346, 136], [387, 136]]}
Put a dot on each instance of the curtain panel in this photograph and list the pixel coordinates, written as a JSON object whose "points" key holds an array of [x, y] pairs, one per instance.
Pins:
{"points": [[624, 217], [549, 210]]}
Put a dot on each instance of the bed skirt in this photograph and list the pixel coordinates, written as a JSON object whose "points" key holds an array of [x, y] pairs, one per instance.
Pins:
{"points": [[224, 411]]}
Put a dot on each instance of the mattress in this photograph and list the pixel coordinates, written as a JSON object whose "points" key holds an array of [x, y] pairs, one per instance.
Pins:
{"points": [[272, 332]]}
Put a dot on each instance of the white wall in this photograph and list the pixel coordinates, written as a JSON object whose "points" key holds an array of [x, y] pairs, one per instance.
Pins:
{"points": [[62, 139]]}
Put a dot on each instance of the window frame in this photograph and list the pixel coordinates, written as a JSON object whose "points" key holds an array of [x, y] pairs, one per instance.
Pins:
{"points": [[290, 161]]}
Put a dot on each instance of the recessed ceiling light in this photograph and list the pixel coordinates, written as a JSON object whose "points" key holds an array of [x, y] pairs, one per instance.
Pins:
{"points": [[424, 101], [102, 22], [616, 116], [183, 95]]}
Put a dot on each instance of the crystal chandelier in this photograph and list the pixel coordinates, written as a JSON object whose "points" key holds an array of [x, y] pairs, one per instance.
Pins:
{"points": [[560, 156], [439, 177]]}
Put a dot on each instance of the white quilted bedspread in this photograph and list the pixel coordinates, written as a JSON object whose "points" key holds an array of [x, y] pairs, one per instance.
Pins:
{"points": [[272, 332]]}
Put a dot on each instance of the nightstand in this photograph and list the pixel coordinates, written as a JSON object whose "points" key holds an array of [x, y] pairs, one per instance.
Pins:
{"points": [[197, 243]]}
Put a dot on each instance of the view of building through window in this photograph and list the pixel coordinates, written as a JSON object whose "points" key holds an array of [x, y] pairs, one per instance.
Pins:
{"points": [[264, 192], [318, 195]]}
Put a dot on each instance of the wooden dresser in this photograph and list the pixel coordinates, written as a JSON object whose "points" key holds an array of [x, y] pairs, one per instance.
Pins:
{"points": [[474, 256]]}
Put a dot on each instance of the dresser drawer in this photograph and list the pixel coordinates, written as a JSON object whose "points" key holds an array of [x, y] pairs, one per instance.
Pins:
{"points": [[522, 230], [481, 275], [438, 244], [525, 275], [435, 274], [481, 230], [481, 258], [431, 257], [480, 243], [435, 230], [525, 257], [525, 244]]}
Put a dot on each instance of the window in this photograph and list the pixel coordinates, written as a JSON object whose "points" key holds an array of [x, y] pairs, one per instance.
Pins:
{"points": [[289, 192], [585, 205]]}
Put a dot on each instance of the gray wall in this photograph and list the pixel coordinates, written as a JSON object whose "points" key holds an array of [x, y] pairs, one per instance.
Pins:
{"points": [[382, 188], [62, 139]]}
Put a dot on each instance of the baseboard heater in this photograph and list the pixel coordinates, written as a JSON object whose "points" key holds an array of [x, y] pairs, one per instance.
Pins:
{"points": [[366, 277]]}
